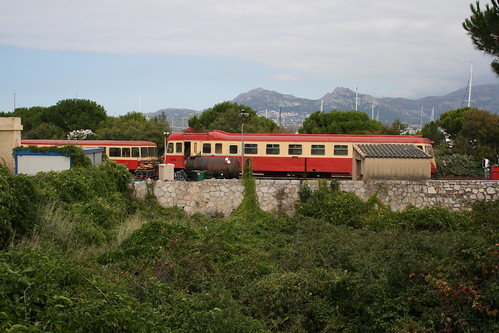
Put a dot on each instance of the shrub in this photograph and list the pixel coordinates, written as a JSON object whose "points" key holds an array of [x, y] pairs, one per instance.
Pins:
{"points": [[335, 206], [18, 207], [431, 218], [459, 165]]}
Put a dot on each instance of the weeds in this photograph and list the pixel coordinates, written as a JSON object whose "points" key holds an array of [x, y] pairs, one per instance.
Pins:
{"points": [[340, 264]]}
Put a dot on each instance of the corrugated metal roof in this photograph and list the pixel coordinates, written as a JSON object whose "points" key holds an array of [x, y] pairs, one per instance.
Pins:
{"points": [[390, 151]]}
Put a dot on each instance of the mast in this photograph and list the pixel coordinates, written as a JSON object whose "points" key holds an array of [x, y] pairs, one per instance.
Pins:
{"points": [[421, 118], [356, 98], [471, 81]]}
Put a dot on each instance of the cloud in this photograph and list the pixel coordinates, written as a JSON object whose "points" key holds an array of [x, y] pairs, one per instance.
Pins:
{"points": [[378, 40]]}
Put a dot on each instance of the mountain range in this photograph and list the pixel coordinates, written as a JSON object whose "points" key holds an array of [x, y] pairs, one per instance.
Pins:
{"points": [[290, 110]]}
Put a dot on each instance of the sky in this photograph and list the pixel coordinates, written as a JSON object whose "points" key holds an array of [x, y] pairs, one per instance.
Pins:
{"points": [[145, 55]]}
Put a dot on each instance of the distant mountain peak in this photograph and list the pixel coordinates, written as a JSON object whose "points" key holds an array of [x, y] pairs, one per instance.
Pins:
{"points": [[485, 97]]}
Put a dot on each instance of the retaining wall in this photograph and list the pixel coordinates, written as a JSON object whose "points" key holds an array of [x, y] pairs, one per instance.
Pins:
{"points": [[215, 197]]}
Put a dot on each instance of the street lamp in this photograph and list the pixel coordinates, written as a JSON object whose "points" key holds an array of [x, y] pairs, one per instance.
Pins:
{"points": [[244, 114], [166, 134]]}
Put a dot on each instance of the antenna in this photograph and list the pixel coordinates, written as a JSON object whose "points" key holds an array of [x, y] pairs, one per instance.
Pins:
{"points": [[377, 116], [322, 105], [280, 122], [372, 111], [432, 117], [140, 105], [14, 101]]}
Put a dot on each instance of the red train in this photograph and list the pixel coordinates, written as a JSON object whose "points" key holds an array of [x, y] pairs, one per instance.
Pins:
{"points": [[132, 154], [322, 155]]}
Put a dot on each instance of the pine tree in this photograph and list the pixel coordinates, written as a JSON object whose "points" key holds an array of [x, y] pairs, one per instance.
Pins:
{"points": [[483, 28]]}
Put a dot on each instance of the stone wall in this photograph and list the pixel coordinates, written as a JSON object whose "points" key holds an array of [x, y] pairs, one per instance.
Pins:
{"points": [[221, 197]]}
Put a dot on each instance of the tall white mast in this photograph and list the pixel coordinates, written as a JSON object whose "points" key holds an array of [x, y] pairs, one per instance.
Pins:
{"points": [[421, 118], [356, 98], [322, 105], [471, 81], [372, 111]]}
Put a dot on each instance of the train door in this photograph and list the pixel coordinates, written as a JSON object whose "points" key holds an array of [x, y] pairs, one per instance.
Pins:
{"points": [[187, 149]]}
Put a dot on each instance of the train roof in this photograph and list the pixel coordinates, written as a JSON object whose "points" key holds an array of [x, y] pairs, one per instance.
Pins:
{"points": [[357, 138], [35, 142]]}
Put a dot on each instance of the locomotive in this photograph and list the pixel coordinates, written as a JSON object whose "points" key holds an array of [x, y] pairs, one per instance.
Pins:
{"points": [[220, 153]]}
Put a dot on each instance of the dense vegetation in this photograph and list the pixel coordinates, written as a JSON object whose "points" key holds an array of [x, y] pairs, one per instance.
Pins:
{"points": [[79, 254], [229, 117], [84, 119]]}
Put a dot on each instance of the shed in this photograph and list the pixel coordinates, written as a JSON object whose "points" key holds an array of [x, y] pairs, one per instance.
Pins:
{"points": [[31, 162], [390, 161]]}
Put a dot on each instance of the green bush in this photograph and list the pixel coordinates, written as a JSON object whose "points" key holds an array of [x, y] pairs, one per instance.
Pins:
{"points": [[332, 205], [431, 218], [18, 207], [459, 165]]}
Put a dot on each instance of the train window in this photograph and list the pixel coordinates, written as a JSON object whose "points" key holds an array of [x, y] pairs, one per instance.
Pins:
{"points": [[429, 150], [318, 150], [169, 148], [178, 147], [420, 147], [152, 151], [341, 150], [114, 152], [233, 149], [294, 149], [250, 148], [218, 148], [206, 148], [135, 152], [144, 152], [125, 152], [273, 149]]}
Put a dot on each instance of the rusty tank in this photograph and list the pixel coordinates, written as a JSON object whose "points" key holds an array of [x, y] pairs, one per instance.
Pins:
{"points": [[214, 167]]}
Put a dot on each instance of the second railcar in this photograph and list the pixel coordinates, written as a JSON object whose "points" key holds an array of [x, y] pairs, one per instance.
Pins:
{"points": [[132, 154]]}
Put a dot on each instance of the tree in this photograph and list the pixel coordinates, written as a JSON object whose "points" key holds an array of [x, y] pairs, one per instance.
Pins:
{"points": [[31, 119], [134, 126], [75, 114], [479, 135], [472, 131], [339, 122], [227, 117], [397, 128], [483, 28], [452, 122], [433, 132], [45, 131]]}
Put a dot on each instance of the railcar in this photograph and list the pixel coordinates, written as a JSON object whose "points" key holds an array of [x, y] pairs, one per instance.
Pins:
{"points": [[132, 154], [321, 155]]}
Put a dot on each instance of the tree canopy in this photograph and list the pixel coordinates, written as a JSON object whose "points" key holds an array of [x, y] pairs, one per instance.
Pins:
{"points": [[134, 126], [75, 114], [227, 116], [470, 131], [339, 122], [483, 28]]}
